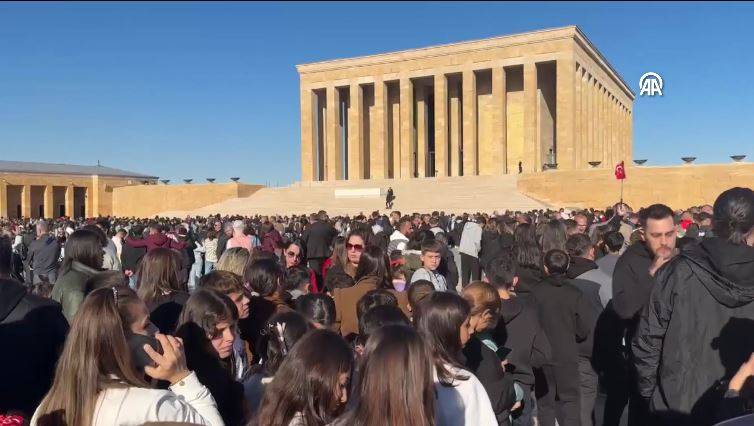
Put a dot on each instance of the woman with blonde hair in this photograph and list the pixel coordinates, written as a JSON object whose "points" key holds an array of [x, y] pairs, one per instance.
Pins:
{"points": [[234, 260], [96, 384]]}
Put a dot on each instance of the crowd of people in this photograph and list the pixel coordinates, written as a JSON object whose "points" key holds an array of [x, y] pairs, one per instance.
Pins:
{"points": [[568, 317]]}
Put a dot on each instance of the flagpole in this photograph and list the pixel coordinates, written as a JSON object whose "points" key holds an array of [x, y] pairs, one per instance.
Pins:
{"points": [[621, 190]]}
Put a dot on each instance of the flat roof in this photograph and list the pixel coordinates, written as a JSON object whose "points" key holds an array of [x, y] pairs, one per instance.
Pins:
{"points": [[67, 169], [572, 31]]}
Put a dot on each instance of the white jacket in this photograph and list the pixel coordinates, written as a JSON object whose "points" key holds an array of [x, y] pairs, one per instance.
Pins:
{"points": [[464, 403], [187, 401]]}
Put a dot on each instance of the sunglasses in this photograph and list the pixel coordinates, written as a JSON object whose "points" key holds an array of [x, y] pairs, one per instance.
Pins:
{"points": [[357, 247]]}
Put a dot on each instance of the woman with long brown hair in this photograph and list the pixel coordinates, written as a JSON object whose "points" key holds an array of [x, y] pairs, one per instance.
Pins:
{"points": [[341, 276], [373, 273], [83, 260], [338, 256], [443, 320], [208, 325], [158, 286], [311, 385], [96, 384], [394, 382]]}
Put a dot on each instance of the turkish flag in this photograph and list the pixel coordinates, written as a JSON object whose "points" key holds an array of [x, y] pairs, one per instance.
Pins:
{"points": [[620, 171]]}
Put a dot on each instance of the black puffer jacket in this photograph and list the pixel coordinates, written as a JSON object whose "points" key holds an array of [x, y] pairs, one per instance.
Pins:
{"points": [[696, 330], [32, 330]]}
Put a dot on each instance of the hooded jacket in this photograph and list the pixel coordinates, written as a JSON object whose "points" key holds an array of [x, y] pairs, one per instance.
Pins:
{"points": [[32, 330], [696, 330], [519, 330]]}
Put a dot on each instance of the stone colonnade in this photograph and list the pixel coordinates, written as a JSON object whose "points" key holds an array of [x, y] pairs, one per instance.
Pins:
{"points": [[562, 109]]}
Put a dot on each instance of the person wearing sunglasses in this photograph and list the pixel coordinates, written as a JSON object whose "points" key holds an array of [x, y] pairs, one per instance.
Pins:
{"points": [[293, 255], [342, 275]]}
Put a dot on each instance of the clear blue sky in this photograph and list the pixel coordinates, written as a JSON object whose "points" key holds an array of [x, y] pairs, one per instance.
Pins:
{"points": [[210, 89]]}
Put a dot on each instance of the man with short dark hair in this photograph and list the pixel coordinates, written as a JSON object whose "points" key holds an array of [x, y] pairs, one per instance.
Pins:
{"points": [[633, 281], [565, 316], [317, 239], [519, 330], [400, 237]]}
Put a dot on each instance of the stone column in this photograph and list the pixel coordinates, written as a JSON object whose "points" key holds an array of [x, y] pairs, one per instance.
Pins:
{"points": [[441, 125], [456, 128], [3, 198], [629, 142], [355, 138], [69, 201], [26, 201], [598, 124], [308, 150], [89, 201], [378, 132], [407, 126], [616, 149], [499, 123], [333, 164], [592, 90], [94, 193], [531, 140], [603, 126], [421, 131], [566, 148], [49, 203], [579, 129], [470, 142]]}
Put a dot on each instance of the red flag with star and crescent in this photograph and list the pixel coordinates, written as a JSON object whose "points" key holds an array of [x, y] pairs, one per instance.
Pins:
{"points": [[620, 171]]}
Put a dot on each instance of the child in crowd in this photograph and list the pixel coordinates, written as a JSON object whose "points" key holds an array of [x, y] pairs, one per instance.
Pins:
{"points": [[431, 257], [283, 330], [318, 309], [297, 281]]}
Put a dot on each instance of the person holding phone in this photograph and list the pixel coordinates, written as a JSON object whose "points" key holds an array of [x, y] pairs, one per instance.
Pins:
{"points": [[484, 357], [95, 382]]}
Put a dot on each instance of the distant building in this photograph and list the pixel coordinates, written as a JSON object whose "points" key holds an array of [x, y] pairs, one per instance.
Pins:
{"points": [[477, 108], [52, 190]]}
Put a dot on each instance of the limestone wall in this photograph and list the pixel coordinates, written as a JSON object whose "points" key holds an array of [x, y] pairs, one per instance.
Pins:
{"points": [[676, 186], [148, 200]]}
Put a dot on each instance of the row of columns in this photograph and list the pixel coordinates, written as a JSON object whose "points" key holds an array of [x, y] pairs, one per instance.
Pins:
{"points": [[592, 125], [48, 200], [604, 126]]}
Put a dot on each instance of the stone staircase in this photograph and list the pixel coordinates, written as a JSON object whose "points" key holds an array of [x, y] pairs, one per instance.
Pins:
{"points": [[449, 194]]}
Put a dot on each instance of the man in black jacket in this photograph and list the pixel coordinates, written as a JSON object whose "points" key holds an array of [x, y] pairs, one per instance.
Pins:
{"points": [[633, 282], [698, 325], [44, 253], [223, 237], [33, 331], [565, 317], [518, 329], [318, 240]]}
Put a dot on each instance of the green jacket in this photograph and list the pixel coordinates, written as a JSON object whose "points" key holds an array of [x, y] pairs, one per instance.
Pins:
{"points": [[70, 289]]}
